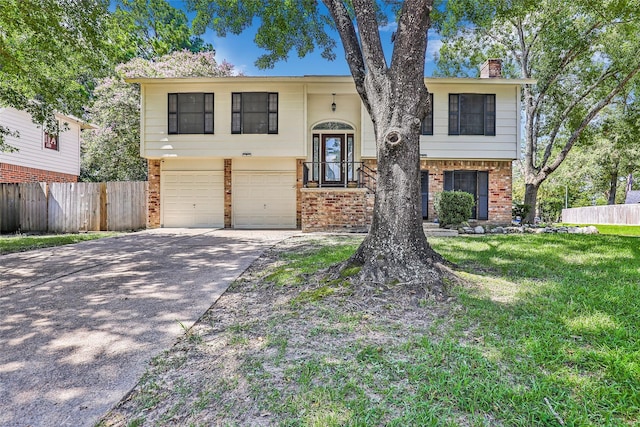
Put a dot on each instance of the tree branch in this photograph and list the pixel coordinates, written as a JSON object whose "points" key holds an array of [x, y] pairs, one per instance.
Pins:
{"points": [[366, 18], [565, 113], [587, 119], [409, 51], [352, 50]]}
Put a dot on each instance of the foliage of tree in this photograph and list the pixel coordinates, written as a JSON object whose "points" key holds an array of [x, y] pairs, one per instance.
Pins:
{"points": [[112, 153], [582, 53], [152, 28], [613, 153], [50, 51]]}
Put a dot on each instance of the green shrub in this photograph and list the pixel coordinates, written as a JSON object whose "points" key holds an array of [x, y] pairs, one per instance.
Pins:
{"points": [[453, 207], [520, 210]]}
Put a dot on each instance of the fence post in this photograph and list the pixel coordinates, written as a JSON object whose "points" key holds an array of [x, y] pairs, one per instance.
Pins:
{"points": [[103, 206]]}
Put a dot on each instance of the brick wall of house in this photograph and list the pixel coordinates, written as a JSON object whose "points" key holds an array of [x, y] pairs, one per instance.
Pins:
{"points": [[500, 184], [16, 174], [153, 195], [336, 209]]}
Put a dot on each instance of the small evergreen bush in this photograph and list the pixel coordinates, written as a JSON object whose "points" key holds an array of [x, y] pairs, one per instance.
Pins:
{"points": [[453, 207]]}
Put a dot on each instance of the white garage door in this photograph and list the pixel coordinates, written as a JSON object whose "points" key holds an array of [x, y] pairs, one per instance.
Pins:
{"points": [[192, 199], [264, 199]]}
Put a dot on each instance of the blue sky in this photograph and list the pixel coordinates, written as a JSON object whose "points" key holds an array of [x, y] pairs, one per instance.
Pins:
{"points": [[241, 52]]}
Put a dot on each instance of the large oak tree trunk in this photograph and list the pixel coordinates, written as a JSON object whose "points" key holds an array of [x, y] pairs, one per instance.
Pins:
{"points": [[396, 249]]}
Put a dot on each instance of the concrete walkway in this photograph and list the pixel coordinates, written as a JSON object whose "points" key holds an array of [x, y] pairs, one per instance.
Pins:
{"points": [[79, 323]]}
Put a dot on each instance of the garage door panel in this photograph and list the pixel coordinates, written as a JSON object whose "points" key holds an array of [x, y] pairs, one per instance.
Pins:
{"points": [[264, 199], [193, 199]]}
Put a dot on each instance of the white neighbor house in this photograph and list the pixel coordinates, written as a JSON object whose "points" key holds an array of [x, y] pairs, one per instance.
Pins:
{"points": [[299, 152], [40, 156]]}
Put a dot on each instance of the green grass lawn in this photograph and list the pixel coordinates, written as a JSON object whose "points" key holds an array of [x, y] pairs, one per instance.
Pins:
{"points": [[20, 243], [548, 333], [556, 323], [545, 331]]}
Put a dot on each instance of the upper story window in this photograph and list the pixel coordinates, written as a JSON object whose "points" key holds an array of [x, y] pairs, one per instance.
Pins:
{"points": [[472, 114], [190, 113], [254, 112], [51, 141], [427, 122]]}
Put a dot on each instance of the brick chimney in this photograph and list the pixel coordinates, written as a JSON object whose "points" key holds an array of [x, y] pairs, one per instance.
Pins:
{"points": [[491, 69]]}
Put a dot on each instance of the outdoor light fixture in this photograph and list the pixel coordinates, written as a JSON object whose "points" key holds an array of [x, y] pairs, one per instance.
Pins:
{"points": [[333, 104]]}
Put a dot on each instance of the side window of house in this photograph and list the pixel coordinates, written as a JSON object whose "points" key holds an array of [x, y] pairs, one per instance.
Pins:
{"points": [[190, 113], [474, 182], [254, 112], [51, 141], [472, 114], [427, 122]]}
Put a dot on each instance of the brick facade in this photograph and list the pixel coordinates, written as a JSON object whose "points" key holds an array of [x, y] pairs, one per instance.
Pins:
{"points": [[17, 174], [336, 209], [499, 184], [153, 194]]}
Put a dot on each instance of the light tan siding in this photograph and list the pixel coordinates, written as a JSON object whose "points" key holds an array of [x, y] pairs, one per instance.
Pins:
{"points": [[289, 141], [441, 145]]}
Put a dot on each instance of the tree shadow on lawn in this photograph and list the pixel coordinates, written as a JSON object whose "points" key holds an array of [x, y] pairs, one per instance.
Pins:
{"points": [[563, 308]]}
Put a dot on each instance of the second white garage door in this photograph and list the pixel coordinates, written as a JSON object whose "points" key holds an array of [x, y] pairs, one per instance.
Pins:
{"points": [[192, 199], [264, 199]]}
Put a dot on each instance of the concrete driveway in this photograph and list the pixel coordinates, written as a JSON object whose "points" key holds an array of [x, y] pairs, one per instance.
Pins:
{"points": [[79, 323]]}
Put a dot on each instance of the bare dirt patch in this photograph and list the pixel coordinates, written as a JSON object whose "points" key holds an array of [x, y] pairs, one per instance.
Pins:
{"points": [[265, 352]]}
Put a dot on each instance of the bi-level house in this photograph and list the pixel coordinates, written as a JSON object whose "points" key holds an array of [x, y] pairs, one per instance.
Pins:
{"points": [[40, 156], [299, 152]]}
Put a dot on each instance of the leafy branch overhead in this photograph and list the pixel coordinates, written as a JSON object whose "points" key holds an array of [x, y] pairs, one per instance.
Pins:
{"points": [[50, 51], [284, 26]]}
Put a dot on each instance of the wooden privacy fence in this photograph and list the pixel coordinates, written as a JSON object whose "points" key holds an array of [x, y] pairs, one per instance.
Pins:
{"points": [[611, 214], [73, 207]]}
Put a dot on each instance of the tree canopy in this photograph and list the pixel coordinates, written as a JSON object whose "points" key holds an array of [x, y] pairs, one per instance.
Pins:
{"points": [[152, 28], [50, 52], [582, 53]]}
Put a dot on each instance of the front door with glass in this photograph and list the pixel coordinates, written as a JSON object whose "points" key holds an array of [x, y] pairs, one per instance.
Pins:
{"points": [[333, 156]]}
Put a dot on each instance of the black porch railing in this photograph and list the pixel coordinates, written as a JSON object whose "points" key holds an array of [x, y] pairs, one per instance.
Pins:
{"points": [[338, 174]]}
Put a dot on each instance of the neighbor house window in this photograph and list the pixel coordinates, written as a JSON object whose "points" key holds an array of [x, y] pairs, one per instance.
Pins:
{"points": [[254, 112], [51, 141], [474, 182], [472, 114], [190, 113], [427, 122]]}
